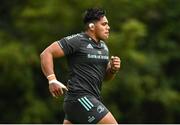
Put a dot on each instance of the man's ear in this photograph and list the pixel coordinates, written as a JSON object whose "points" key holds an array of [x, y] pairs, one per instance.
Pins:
{"points": [[91, 26]]}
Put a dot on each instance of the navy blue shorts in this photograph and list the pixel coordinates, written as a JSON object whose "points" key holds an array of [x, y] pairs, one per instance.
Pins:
{"points": [[84, 110]]}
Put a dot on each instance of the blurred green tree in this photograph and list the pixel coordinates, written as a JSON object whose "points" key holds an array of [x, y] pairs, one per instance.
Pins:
{"points": [[144, 34]]}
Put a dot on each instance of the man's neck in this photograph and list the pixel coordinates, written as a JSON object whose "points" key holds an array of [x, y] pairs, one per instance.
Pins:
{"points": [[92, 35]]}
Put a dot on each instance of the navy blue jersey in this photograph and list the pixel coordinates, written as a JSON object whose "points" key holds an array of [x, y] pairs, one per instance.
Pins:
{"points": [[87, 61]]}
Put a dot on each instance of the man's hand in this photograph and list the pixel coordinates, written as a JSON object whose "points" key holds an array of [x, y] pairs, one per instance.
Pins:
{"points": [[115, 64], [56, 88]]}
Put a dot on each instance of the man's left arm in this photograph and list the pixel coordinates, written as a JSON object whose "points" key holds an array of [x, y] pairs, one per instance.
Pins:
{"points": [[112, 68]]}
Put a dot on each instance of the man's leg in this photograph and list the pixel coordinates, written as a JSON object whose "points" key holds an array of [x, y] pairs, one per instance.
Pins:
{"points": [[66, 122], [108, 119]]}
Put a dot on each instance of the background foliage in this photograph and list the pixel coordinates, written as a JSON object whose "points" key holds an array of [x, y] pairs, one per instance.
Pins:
{"points": [[144, 34]]}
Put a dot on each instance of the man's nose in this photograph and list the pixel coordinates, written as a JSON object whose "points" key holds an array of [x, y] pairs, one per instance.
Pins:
{"points": [[108, 27]]}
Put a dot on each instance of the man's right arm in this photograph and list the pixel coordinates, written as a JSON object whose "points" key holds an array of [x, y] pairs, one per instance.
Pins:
{"points": [[47, 66], [52, 51]]}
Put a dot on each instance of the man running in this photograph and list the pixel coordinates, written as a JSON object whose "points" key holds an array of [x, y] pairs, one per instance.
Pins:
{"points": [[89, 64]]}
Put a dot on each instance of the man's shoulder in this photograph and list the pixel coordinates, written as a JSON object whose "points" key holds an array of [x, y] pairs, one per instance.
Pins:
{"points": [[74, 36]]}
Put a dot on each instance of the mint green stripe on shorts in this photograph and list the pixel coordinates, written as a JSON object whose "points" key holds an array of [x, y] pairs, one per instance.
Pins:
{"points": [[86, 103]]}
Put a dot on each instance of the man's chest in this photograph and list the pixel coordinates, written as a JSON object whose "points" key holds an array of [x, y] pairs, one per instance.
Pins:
{"points": [[92, 53]]}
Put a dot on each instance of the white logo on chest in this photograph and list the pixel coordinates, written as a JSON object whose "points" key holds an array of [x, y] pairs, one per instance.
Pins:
{"points": [[89, 46]]}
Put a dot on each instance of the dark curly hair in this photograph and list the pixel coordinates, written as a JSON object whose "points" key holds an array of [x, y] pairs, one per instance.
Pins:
{"points": [[93, 14]]}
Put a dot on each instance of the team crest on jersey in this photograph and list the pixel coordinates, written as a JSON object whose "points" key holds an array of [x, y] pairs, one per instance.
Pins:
{"points": [[99, 52]]}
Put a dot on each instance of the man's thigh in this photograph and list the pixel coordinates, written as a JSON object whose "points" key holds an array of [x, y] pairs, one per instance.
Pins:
{"points": [[86, 109]]}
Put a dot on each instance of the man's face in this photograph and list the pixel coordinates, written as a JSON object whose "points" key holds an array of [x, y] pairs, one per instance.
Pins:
{"points": [[102, 29]]}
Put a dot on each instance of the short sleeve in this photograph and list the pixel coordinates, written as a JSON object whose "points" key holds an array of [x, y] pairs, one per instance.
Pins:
{"points": [[70, 44]]}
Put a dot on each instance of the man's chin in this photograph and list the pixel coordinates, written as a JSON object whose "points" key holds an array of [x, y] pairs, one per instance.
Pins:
{"points": [[105, 38]]}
